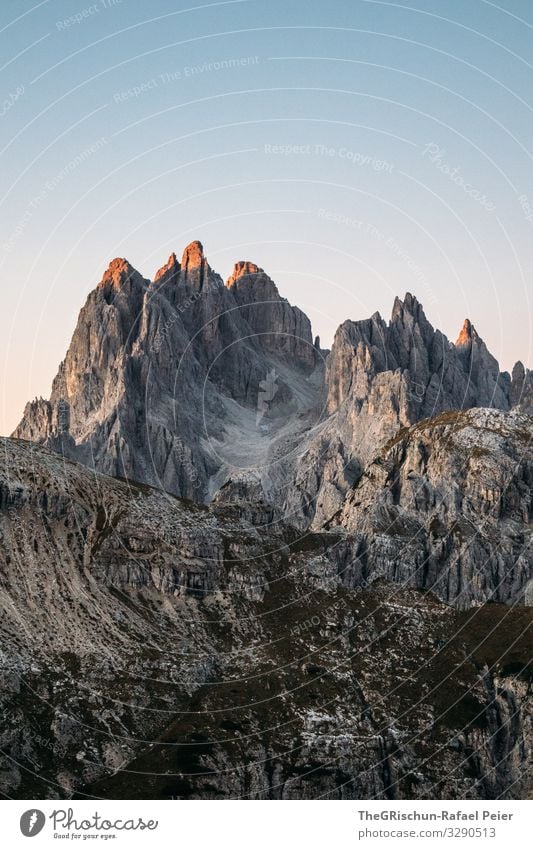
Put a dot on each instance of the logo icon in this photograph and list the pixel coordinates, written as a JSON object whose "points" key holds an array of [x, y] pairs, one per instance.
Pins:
{"points": [[268, 389], [32, 822]]}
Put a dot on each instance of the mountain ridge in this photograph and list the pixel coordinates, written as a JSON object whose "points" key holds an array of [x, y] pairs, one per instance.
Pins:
{"points": [[163, 380]]}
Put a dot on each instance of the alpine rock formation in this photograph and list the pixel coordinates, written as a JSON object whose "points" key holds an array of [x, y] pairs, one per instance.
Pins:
{"points": [[299, 573], [160, 377], [161, 383]]}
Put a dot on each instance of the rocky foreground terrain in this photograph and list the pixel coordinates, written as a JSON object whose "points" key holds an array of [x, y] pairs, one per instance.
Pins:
{"points": [[234, 564], [155, 648]]}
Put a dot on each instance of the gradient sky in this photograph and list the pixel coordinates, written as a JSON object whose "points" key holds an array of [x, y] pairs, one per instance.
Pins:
{"points": [[129, 129]]}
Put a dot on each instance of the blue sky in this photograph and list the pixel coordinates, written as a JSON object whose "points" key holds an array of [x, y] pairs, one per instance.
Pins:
{"points": [[355, 150]]}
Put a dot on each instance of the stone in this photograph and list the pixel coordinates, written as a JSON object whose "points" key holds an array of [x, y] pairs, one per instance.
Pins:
{"points": [[176, 651]]}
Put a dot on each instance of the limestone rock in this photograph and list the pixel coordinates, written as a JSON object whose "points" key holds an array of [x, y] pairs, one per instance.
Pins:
{"points": [[446, 506], [153, 648], [187, 384], [158, 372]]}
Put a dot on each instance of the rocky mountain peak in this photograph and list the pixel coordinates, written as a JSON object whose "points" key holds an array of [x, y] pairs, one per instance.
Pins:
{"points": [[409, 331], [522, 387], [134, 359], [195, 270], [193, 256], [117, 272], [410, 306], [242, 269], [467, 335], [169, 270], [519, 371]]}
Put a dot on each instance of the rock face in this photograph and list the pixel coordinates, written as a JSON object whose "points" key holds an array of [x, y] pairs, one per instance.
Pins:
{"points": [[446, 506], [191, 385], [160, 376], [281, 329], [522, 388], [154, 648], [431, 374], [380, 378]]}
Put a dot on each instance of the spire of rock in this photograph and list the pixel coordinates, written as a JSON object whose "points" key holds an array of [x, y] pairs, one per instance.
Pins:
{"points": [[193, 256], [122, 282], [467, 334], [195, 271], [117, 272], [409, 339], [241, 269], [410, 306], [169, 270], [519, 372], [486, 386], [522, 388]]}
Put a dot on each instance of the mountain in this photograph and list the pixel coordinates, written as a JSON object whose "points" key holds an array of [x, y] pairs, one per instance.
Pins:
{"points": [[197, 387], [234, 564], [156, 648], [159, 374]]}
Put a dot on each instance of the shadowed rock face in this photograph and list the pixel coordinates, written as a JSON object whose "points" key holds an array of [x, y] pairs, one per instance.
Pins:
{"points": [[446, 505], [436, 375], [522, 388], [153, 366], [191, 385], [383, 377], [281, 328], [154, 648]]}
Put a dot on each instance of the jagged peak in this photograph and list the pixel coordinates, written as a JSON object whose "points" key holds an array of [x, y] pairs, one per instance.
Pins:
{"points": [[242, 269], [118, 270], [519, 371], [410, 304], [467, 335], [170, 268], [357, 332], [193, 256]]}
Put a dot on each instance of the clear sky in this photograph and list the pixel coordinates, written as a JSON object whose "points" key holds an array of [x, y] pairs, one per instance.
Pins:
{"points": [[355, 149]]}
